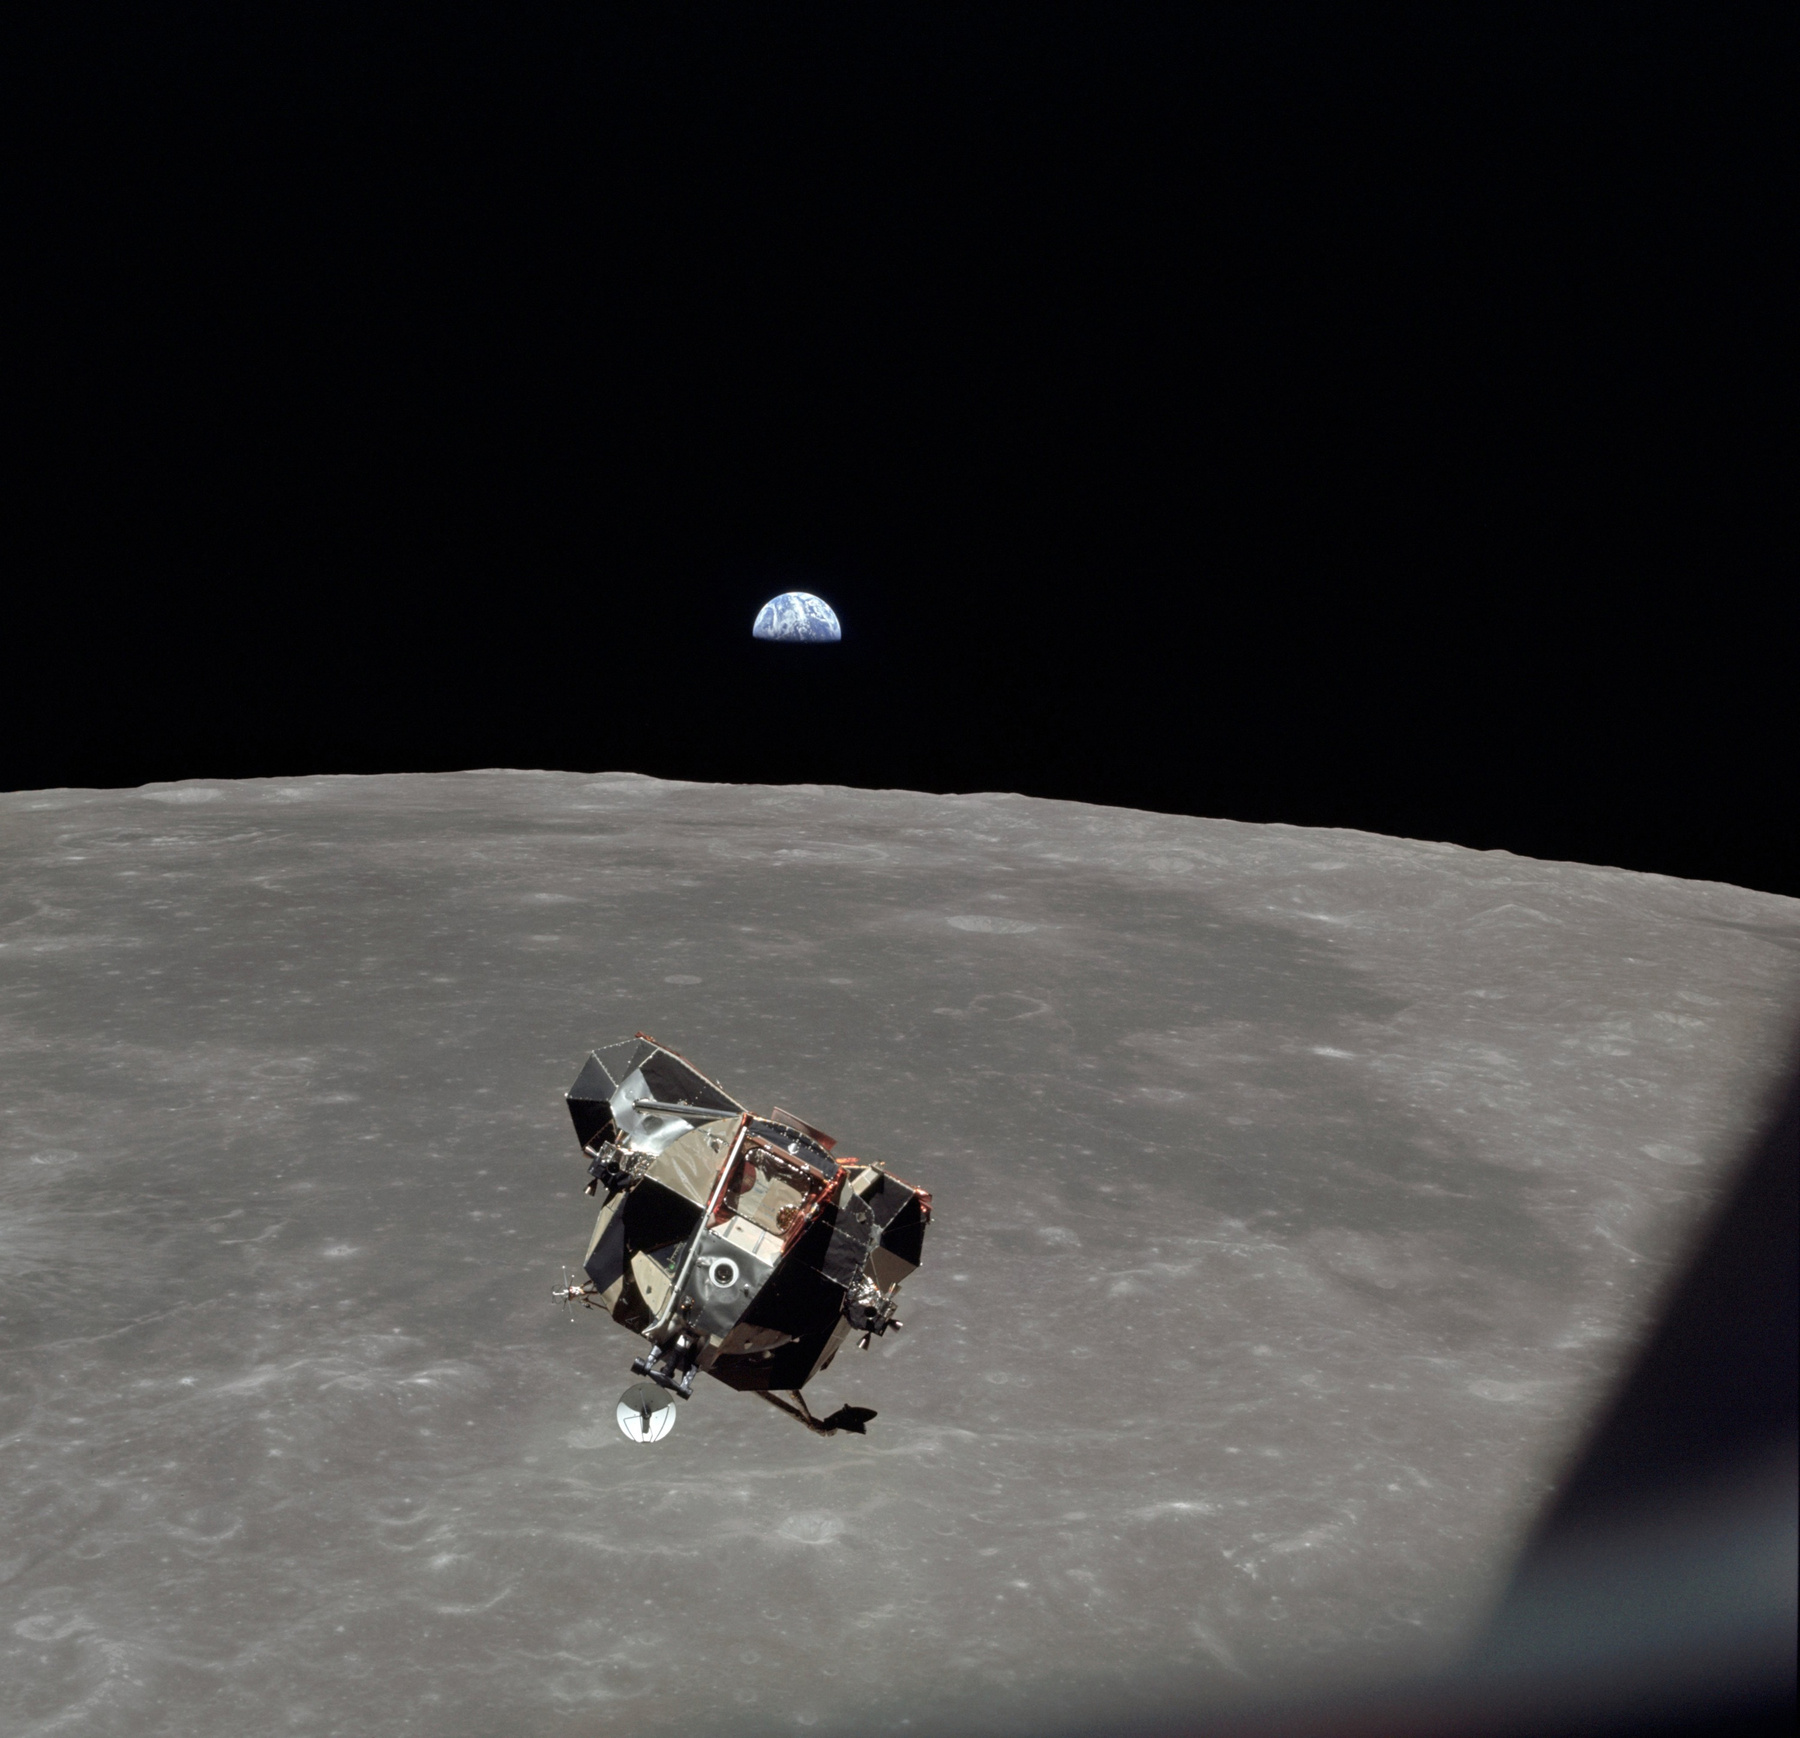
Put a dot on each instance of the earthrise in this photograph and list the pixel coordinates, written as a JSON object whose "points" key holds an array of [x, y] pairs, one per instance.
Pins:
{"points": [[799, 618]]}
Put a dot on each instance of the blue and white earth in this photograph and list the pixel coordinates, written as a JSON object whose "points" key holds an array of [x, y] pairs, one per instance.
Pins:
{"points": [[797, 616]]}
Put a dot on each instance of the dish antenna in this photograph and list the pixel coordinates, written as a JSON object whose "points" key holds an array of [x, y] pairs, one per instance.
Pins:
{"points": [[646, 1412]]}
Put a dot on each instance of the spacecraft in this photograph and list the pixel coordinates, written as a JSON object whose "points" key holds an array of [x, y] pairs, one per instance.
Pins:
{"points": [[733, 1243]]}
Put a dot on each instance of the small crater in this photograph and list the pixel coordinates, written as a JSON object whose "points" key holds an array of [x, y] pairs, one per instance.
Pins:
{"points": [[186, 794], [812, 1529]]}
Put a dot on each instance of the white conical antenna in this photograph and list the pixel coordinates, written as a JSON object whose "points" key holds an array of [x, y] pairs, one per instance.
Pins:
{"points": [[646, 1412]]}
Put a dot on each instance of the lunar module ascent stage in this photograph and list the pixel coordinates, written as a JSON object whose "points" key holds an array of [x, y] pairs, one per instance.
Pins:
{"points": [[733, 1243]]}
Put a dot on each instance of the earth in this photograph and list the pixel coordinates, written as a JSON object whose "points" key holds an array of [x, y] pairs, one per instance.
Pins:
{"points": [[797, 616]]}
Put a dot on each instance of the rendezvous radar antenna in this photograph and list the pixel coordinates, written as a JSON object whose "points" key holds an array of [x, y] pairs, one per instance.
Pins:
{"points": [[646, 1412]]}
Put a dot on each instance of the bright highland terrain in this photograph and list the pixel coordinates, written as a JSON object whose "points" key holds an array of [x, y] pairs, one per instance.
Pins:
{"points": [[1298, 1196]]}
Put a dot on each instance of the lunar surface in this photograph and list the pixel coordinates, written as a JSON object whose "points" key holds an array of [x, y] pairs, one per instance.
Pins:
{"points": [[1297, 1197]]}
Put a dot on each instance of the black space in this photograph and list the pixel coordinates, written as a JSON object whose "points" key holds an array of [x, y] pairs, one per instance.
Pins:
{"points": [[1331, 415]]}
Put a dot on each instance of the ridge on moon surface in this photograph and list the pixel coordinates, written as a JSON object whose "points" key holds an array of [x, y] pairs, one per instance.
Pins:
{"points": [[799, 618], [1346, 1167]]}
